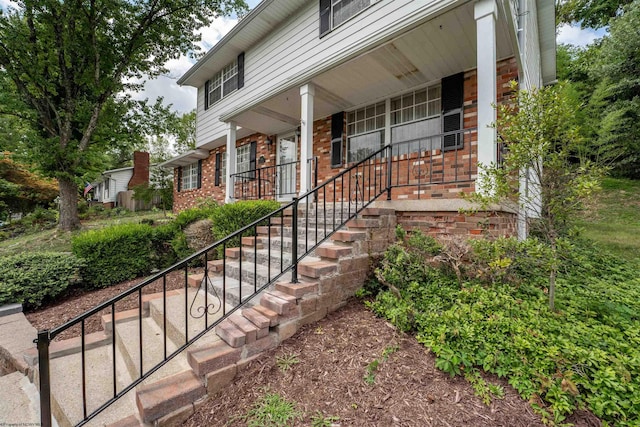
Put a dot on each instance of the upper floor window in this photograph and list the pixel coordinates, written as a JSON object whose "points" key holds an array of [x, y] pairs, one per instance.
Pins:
{"points": [[335, 12], [225, 81]]}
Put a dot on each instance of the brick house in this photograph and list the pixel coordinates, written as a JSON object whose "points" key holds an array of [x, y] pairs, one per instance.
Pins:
{"points": [[300, 90]]}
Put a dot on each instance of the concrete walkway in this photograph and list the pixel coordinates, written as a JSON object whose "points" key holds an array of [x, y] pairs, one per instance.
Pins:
{"points": [[19, 399]]}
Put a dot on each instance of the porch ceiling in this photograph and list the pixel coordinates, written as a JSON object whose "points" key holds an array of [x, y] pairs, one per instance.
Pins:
{"points": [[438, 48]]}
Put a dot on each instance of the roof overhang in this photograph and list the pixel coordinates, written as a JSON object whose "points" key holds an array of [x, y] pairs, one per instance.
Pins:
{"points": [[186, 158], [547, 39], [257, 24]]}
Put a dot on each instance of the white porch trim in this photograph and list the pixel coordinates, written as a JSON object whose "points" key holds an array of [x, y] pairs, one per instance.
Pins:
{"points": [[231, 161], [485, 12], [307, 93]]}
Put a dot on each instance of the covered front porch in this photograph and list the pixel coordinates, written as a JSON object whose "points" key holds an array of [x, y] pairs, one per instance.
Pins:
{"points": [[428, 94]]}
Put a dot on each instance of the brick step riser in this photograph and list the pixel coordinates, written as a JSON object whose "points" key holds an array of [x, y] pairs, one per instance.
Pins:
{"points": [[248, 275], [262, 258], [287, 244]]}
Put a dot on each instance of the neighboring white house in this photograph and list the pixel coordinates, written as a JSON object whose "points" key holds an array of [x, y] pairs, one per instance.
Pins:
{"points": [[302, 86], [116, 181], [110, 184]]}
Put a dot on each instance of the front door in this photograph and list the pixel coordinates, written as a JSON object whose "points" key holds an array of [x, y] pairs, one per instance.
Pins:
{"points": [[286, 169]]}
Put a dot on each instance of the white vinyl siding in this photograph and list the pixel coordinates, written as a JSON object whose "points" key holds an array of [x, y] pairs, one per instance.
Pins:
{"points": [[190, 176], [269, 67]]}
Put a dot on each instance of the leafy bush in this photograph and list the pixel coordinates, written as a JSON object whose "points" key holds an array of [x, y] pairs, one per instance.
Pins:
{"points": [[163, 253], [189, 216], [33, 278], [587, 354], [115, 254], [233, 216]]}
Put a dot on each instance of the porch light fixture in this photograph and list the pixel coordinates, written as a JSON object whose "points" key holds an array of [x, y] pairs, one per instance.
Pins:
{"points": [[269, 142], [298, 133]]}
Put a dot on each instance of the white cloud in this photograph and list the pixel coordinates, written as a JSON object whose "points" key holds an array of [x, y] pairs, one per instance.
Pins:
{"points": [[569, 34]]}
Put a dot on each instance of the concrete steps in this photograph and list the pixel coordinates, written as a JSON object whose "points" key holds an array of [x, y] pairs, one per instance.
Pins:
{"points": [[326, 279], [20, 401]]}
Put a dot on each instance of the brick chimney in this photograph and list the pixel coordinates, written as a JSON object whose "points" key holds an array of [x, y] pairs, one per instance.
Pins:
{"points": [[140, 169]]}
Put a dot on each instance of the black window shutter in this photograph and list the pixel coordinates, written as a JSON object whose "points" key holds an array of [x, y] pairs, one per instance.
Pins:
{"points": [[253, 151], [325, 17], [218, 169], [241, 70], [180, 179], [452, 102], [337, 128], [199, 173], [206, 95]]}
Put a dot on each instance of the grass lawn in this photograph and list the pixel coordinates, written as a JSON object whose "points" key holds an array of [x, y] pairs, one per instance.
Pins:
{"points": [[615, 220], [60, 241]]}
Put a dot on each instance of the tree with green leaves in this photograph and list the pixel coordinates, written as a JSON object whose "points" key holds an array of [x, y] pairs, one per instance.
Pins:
{"points": [[70, 60], [617, 94], [590, 13], [542, 145]]}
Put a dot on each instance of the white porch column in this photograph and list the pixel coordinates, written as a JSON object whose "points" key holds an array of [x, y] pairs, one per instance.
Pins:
{"points": [[485, 14], [231, 161], [307, 93]]}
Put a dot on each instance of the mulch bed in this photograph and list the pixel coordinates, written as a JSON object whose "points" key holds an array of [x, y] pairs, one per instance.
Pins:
{"points": [[333, 357]]}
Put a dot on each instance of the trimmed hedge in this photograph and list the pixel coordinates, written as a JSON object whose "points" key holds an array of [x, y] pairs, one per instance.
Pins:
{"points": [[115, 254], [233, 216], [33, 278]]}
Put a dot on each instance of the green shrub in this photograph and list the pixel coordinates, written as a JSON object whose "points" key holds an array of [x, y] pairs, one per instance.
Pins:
{"points": [[115, 254], [586, 354], [192, 215], [163, 253], [33, 278], [233, 216]]}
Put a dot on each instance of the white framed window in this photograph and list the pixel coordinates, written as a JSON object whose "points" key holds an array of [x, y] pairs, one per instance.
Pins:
{"points": [[190, 176], [222, 83], [416, 119], [223, 167], [243, 158], [107, 184], [365, 131]]}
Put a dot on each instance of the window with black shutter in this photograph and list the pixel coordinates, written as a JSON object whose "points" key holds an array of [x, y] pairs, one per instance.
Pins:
{"points": [[241, 70], [325, 17], [199, 185], [337, 128], [218, 168], [452, 114], [179, 179], [253, 151], [224, 82]]}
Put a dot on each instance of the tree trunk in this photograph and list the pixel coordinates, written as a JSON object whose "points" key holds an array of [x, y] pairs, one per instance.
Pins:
{"points": [[68, 205], [552, 276]]}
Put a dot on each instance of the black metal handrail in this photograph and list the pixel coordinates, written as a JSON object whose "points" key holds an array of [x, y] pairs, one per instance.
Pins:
{"points": [[264, 182], [314, 217]]}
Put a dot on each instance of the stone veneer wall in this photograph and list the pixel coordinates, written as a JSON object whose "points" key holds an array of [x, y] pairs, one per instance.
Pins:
{"points": [[455, 160]]}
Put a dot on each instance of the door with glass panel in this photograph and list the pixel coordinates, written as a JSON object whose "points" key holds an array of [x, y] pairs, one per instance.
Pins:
{"points": [[286, 169]]}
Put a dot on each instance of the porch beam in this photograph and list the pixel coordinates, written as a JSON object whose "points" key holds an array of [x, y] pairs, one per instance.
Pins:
{"points": [[307, 93], [332, 98], [231, 160], [275, 115], [485, 12]]}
